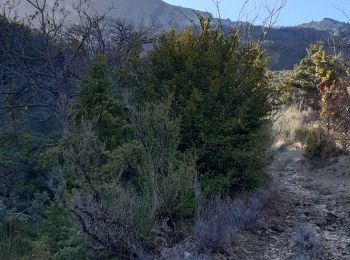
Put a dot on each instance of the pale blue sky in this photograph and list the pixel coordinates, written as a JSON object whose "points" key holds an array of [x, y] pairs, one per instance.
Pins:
{"points": [[295, 12]]}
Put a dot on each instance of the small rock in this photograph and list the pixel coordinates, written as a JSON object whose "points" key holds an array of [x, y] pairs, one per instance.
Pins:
{"points": [[276, 229], [330, 228], [321, 223], [187, 255]]}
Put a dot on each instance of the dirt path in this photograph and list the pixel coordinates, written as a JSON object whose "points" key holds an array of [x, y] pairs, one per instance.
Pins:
{"points": [[309, 193], [316, 196]]}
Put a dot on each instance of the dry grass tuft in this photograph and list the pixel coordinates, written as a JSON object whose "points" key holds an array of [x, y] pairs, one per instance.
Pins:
{"points": [[290, 126]]}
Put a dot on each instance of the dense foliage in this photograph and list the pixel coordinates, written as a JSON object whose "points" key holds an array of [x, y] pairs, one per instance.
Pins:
{"points": [[141, 142], [319, 83], [220, 92]]}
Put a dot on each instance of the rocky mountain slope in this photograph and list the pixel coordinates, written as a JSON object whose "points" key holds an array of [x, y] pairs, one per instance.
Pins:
{"points": [[327, 24], [286, 45]]}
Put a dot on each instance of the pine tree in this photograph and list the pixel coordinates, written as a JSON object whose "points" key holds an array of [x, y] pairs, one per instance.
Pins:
{"points": [[316, 67], [97, 102]]}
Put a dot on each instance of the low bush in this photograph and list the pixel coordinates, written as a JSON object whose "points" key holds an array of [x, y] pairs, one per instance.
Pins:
{"points": [[15, 247], [289, 125], [320, 145], [302, 134], [251, 217], [306, 243], [217, 225]]}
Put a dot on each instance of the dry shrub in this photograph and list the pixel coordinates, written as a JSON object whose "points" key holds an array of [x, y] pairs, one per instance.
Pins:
{"points": [[335, 103], [301, 135], [320, 145], [306, 243], [217, 226], [289, 125], [222, 219]]}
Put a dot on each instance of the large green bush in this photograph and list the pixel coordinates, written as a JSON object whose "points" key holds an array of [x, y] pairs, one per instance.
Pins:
{"points": [[220, 90]]}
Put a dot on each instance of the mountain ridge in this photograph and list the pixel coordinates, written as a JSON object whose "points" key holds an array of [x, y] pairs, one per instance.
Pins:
{"points": [[286, 45], [326, 24]]}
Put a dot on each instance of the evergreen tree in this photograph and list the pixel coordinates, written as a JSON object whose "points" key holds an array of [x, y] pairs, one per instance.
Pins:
{"points": [[220, 90], [22, 175], [96, 101], [59, 238], [23, 191], [316, 67]]}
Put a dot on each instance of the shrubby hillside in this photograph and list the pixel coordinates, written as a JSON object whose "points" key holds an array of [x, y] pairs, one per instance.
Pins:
{"points": [[193, 149]]}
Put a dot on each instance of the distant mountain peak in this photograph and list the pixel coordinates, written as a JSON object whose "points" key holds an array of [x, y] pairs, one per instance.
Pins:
{"points": [[326, 24], [155, 14]]}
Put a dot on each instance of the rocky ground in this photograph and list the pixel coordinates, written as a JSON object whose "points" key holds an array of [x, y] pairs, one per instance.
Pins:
{"points": [[316, 194]]}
